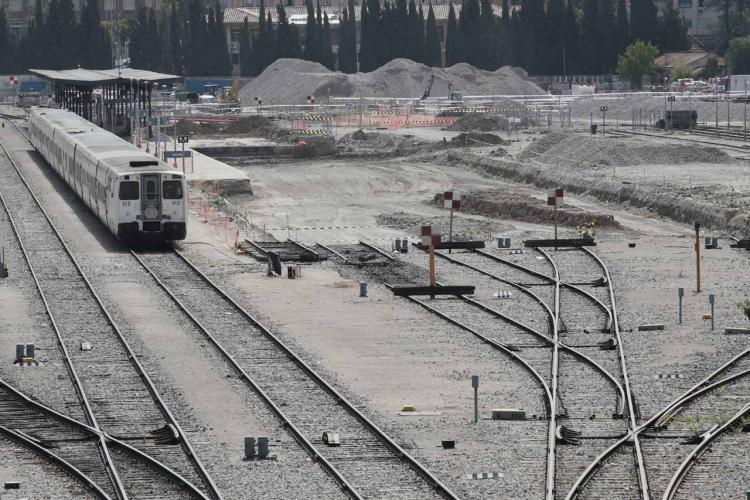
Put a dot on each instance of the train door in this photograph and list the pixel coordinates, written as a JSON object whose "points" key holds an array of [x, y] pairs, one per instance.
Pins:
{"points": [[151, 202]]}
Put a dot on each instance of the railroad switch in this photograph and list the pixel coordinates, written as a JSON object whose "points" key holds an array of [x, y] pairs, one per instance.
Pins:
{"points": [[257, 448], [12, 485], [3, 267], [567, 436], [331, 438]]}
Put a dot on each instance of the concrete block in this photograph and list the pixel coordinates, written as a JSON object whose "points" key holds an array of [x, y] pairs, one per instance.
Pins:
{"points": [[508, 414], [29, 350], [249, 448], [734, 330], [20, 352], [650, 328], [262, 447]]}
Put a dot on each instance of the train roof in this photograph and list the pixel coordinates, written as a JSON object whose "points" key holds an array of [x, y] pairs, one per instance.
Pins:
{"points": [[114, 152]]}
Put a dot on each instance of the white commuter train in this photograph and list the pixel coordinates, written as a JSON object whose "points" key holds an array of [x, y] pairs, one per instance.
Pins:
{"points": [[138, 197]]}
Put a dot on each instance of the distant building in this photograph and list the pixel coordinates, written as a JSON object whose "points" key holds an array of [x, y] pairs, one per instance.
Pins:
{"points": [[701, 16]]}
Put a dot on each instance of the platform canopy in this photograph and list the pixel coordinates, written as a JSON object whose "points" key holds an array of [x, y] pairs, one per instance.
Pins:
{"points": [[96, 77]]}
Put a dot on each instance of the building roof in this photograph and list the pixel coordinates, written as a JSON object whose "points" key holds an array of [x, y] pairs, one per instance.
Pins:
{"points": [[237, 15], [94, 77], [690, 59]]}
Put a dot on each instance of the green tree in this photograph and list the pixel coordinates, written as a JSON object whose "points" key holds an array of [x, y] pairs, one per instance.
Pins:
{"points": [[453, 46], [637, 62], [571, 41], [738, 56], [348, 45], [470, 32], [285, 43], [221, 49], [672, 30], [710, 69], [414, 34], [680, 72], [592, 55], [311, 32], [622, 31], [246, 55], [555, 36], [174, 48], [432, 40], [327, 58], [6, 55], [607, 36], [399, 39], [368, 45], [643, 21], [487, 23]]}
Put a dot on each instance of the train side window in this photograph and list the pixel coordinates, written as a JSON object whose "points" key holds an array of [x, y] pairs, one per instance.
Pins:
{"points": [[129, 190], [172, 190]]}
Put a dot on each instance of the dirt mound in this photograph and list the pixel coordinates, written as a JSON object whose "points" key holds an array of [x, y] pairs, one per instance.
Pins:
{"points": [[249, 126], [477, 139], [524, 208], [360, 143], [292, 80], [588, 150], [482, 122]]}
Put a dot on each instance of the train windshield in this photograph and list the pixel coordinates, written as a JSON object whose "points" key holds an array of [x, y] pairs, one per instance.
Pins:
{"points": [[172, 190], [129, 190]]}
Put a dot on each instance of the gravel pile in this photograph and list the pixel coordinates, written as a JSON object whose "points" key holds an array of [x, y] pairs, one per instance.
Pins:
{"points": [[477, 139], [618, 152], [360, 143], [292, 80]]}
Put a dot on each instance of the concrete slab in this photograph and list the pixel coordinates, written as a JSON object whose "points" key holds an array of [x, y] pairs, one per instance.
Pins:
{"points": [[201, 170]]}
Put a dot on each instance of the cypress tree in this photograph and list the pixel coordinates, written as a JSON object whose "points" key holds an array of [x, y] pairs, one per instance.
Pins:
{"points": [[319, 34], [553, 58], [487, 21], [591, 42], [174, 46], [285, 43], [327, 55], [502, 49], [571, 41], [432, 40], [137, 43], [607, 36], [532, 35], [622, 31], [101, 41], [379, 37], [84, 38], [422, 33], [643, 21], [452, 43], [245, 49], [470, 33], [152, 42], [310, 34], [672, 30], [517, 40], [386, 25], [365, 42], [5, 48], [222, 49], [348, 45], [414, 34], [400, 39]]}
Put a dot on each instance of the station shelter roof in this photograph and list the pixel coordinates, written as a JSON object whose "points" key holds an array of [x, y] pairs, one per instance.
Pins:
{"points": [[97, 77]]}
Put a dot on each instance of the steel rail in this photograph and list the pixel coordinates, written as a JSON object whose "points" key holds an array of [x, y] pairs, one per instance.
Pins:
{"points": [[307, 369], [287, 422], [114, 477], [620, 402], [555, 371], [98, 433], [587, 474], [497, 345], [563, 284], [161, 404], [663, 421], [71, 469], [376, 249], [334, 252], [696, 453], [640, 463]]}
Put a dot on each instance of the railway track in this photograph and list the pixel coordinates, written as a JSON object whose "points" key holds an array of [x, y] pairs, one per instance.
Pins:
{"points": [[361, 253], [368, 463], [116, 394], [573, 374]]}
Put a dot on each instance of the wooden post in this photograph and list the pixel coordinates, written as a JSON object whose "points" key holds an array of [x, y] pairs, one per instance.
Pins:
{"points": [[697, 257], [432, 265]]}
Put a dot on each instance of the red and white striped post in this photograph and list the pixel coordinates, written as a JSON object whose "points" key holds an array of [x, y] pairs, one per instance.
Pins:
{"points": [[431, 238], [555, 199], [452, 200]]}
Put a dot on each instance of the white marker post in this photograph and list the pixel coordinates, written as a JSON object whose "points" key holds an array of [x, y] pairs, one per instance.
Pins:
{"points": [[554, 199], [452, 200], [183, 140]]}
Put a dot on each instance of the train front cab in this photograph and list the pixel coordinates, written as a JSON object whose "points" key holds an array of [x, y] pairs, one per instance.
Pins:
{"points": [[151, 206]]}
